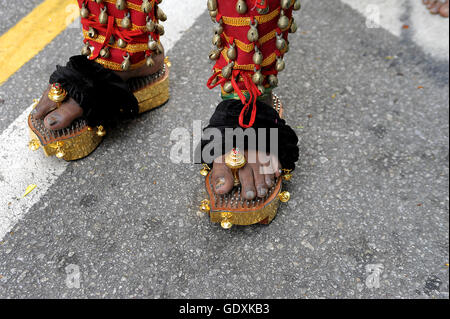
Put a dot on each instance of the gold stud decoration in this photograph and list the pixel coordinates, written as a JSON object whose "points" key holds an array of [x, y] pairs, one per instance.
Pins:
{"points": [[57, 94], [235, 160]]}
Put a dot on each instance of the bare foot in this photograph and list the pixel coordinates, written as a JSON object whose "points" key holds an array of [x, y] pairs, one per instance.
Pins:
{"points": [[437, 7], [257, 177], [56, 119]]}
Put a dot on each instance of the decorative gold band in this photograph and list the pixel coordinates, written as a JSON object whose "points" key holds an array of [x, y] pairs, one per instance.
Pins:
{"points": [[132, 48], [250, 47], [245, 22], [117, 66], [130, 5]]}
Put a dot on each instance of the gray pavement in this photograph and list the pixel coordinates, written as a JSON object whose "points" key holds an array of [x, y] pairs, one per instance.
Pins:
{"points": [[370, 191]]}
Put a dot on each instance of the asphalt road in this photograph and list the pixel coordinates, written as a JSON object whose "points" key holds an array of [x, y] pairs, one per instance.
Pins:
{"points": [[370, 195]]}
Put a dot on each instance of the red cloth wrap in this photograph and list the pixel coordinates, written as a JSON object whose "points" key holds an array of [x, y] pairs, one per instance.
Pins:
{"points": [[227, 8], [138, 18]]}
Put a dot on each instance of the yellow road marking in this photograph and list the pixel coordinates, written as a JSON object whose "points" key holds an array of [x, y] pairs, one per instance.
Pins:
{"points": [[31, 34]]}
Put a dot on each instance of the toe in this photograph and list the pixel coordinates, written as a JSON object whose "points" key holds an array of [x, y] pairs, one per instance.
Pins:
{"points": [[436, 7], [44, 107], [431, 4], [222, 179], [63, 116], [247, 182], [260, 180], [444, 10]]}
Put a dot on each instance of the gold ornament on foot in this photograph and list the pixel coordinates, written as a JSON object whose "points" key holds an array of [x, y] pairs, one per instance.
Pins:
{"points": [[235, 160], [287, 174], [34, 145], [204, 206], [101, 131], [57, 94], [284, 197], [205, 170]]}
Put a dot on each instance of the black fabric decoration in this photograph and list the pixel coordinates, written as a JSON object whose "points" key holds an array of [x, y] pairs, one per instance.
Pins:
{"points": [[227, 116], [101, 93]]}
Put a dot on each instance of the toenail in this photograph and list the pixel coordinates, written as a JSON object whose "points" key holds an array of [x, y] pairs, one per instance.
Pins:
{"points": [[52, 121], [250, 194], [220, 182], [262, 191]]}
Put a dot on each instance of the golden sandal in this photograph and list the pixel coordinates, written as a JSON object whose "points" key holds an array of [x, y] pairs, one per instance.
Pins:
{"points": [[79, 140], [232, 209]]}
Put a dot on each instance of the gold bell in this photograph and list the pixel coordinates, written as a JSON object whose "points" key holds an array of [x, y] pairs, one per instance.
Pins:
{"points": [[226, 224], [280, 42], [146, 6], [258, 56], [227, 70], [86, 49], [253, 34], [205, 170], [297, 5], [228, 87], [213, 14], [151, 26], [231, 52], [59, 150], [126, 64], [226, 220], [293, 27], [241, 7], [204, 206], [126, 21], [161, 15], [235, 160], [152, 44], [121, 4], [167, 62], [286, 4], [84, 12], [280, 65], [101, 131], [121, 43], [284, 197], [103, 16], [217, 40], [34, 145], [214, 54], [212, 5], [258, 77], [160, 29], [287, 174], [105, 53], [283, 21], [273, 80]]}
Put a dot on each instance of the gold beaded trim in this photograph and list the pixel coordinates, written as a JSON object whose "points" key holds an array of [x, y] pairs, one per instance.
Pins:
{"points": [[251, 67], [245, 22], [130, 5], [132, 48], [134, 27], [117, 66], [251, 46]]}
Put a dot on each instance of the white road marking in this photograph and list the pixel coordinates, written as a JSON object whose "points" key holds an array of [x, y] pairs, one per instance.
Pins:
{"points": [[428, 31], [19, 167]]}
